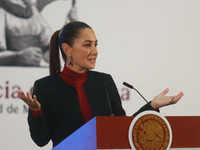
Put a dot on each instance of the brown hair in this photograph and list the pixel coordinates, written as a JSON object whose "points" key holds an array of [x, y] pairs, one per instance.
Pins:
{"points": [[67, 34]]}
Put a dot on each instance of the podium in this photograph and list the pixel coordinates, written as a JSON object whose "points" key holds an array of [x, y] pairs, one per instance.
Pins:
{"points": [[112, 133]]}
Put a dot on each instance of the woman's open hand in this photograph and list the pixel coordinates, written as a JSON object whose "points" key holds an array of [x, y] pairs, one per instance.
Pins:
{"points": [[32, 103], [162, 100]]}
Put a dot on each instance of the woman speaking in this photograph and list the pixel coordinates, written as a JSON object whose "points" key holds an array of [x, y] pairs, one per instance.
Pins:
{"points": [[67, 99]]}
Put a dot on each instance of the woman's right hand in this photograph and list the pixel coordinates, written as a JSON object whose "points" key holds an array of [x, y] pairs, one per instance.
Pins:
{"points": [[32, 103]]}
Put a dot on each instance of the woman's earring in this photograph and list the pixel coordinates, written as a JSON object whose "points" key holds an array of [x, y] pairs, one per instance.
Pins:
{"points": [[71, 61]]}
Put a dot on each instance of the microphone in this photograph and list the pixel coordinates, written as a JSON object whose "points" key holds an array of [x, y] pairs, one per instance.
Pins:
{"points": [[131, 87], [109, 103]]}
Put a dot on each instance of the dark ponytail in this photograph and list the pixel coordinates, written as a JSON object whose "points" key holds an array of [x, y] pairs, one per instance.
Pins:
{"points": [[54, 57], [67, 34]]}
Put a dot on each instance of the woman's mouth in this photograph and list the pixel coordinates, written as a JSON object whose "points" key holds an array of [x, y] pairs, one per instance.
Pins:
{"points": [[92, 59]]}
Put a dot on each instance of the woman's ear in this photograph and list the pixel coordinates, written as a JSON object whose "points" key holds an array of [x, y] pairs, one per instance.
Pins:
{"points": [[66, 48]]}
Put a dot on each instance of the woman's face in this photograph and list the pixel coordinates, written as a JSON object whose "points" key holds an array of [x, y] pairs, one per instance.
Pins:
{"points": [[84, 51]]}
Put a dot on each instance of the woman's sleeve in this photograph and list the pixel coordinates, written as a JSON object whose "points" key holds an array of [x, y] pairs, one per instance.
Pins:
{"points": [[144, 108], [40, 126]]}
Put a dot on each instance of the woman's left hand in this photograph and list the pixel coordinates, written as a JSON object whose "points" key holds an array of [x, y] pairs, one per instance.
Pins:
{"points": [[162, 100]]}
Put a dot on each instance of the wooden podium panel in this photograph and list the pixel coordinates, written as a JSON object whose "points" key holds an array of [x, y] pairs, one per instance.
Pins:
{"points": [[112, 133], [185, 132]]}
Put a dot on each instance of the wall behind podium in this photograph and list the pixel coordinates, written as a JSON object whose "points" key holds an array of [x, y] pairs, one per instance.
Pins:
{"points": [[152, 45]]}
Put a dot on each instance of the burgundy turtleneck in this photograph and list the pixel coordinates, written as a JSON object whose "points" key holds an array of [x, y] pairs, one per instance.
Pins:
{"points": [[77, 80]]}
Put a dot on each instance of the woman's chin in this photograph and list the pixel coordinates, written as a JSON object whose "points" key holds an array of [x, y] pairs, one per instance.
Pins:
{"points": [[91, 67]]}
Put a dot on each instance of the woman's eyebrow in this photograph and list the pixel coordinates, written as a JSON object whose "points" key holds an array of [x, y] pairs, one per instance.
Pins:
{"points": [[90, 41]]}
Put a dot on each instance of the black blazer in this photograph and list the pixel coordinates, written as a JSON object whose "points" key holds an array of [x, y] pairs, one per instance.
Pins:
{"points": [[60, 106]]}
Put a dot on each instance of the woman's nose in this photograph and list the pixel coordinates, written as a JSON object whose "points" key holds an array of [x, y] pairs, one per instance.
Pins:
{"points": [[94, 50]]}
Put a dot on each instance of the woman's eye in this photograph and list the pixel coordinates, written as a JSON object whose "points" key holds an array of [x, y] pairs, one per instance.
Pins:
{"points": [[88, 45]]}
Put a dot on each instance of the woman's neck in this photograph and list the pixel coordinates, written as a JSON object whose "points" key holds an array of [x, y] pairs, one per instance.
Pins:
{"points": [[77, 70], [73, 77]]}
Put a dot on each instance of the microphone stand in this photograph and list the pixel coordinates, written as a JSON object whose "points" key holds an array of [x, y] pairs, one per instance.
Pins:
{"points": [[131, 87]]}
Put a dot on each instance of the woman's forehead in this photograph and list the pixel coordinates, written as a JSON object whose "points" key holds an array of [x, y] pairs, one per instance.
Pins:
{"points": [[88, 34]]}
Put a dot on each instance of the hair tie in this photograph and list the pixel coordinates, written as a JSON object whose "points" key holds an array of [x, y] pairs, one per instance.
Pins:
{"points": [[60, 32]]}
